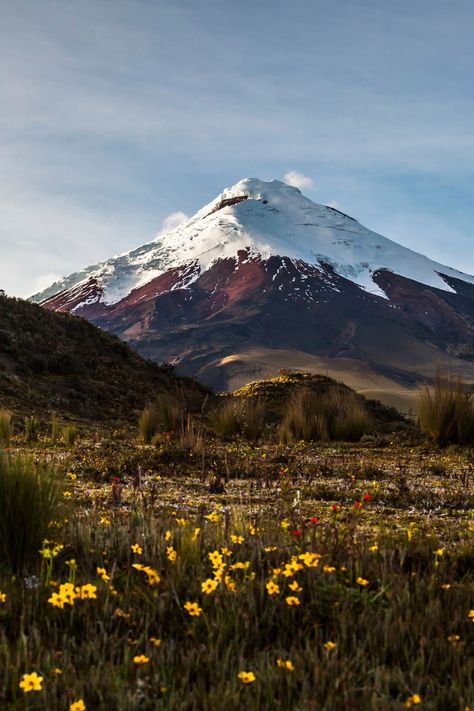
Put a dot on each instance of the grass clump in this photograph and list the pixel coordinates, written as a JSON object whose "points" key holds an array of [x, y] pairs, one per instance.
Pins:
{"points": [[69, 435], [333, 415], [29, 497], [161, 416], [446, 411], [32, 429], [240, 417], [5, 427]]}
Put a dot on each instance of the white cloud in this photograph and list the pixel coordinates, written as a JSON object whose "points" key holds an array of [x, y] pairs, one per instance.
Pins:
{"points": [[172, 221], [298, 180]]}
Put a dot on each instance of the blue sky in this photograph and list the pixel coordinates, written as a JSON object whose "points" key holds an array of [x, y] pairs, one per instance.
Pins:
{"points": [[116, 114]]}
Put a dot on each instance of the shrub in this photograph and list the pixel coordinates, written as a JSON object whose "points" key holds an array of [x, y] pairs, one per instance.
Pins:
{"points": [[29, 497], [446, 411], [336, 415], [70, 433], [244, 417], [5, 427]]}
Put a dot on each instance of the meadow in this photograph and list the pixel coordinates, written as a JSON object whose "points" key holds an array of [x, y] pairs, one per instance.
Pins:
{"points": [[189, 574]]}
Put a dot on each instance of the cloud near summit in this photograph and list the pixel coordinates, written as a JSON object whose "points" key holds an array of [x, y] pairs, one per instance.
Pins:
{"points": [[298, 180]]}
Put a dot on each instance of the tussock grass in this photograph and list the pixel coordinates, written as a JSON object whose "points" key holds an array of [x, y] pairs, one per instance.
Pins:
{"points": [[5, 427], [70, 434], [334, 415], [239, 417], [28, 503], [446, 411], [163, 415]]}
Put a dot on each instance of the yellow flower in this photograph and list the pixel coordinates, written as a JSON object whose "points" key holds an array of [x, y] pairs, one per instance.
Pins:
{"points": [[237, 539], [171, 554], [31, 682], [140, 659], [295, 586], [136, 549], [168, 536], [214, 516], [56, 670], [104, 521], [272, 588], [56, 600], [292, 600], [282, 664], [196, 533], [208, 586], [329, 569], [412, 701], [470, 614], [311, 560], [230, 584], [374, 548], [285, 524], [329, 645], [216, 558], [226, 552], [292, 568], [180, 521], [87, 592], [270, 549], [66, 494], [152, 575], [192, 608], [78, 705], [362, 581], [246, 677], [454, 638], [154, 641], [3, 597], [102, 573], [445, 586]]}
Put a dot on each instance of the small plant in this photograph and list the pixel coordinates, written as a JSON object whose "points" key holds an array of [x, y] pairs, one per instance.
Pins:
{"points": [[446, 411], [32, 429], [161, 416], [29, 496], [69, 434], [243, 417], [191, 435], [5, 427]]}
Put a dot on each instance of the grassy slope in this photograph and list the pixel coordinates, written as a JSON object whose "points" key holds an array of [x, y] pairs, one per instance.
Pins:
{"points": [[51, 361]]}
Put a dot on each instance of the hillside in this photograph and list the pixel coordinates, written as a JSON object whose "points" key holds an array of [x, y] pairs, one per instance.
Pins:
{"points": [[51, 361]]}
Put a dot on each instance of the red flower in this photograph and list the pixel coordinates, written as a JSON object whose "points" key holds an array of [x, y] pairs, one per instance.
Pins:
{"points": [[357, 504], [367, 497], [115, 478], [334, 507], [314, 520], [297, 532]]}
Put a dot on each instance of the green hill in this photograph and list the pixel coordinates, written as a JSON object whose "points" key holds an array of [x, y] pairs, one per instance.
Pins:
{"points": [[54, 361]]}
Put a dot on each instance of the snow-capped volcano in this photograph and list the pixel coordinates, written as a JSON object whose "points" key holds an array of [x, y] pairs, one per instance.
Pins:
{"points": [[265, 219], [263, 267]]}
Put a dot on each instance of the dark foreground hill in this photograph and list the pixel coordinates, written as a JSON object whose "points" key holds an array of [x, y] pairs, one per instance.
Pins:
{"points": [[53, 361]]}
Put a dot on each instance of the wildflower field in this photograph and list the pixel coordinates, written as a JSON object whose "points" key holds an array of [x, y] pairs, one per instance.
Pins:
{"points": [[252, 576]]}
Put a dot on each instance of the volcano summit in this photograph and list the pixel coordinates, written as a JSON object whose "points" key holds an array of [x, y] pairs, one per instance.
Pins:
{"points": [[263, 278]]}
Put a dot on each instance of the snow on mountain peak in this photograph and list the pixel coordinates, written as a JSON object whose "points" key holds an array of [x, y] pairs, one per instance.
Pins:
{"points": [[266, 219]]}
